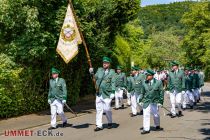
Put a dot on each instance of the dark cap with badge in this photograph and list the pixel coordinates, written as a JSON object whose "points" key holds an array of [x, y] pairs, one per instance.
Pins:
{"points": [[55, 71], [106, 59], [135, 68], [174, 63], [119, 67], [150, 72]]}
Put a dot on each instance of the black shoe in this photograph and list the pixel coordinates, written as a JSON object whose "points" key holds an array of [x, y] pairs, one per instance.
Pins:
{"points": [[98, 129], [142, 128], [145, 132], [104, 113], [133, 115], [64, 124], [122, 107], [51, 128], [116, 108], [109, 126], [158, 128], [173, 116], [180, 114], [191, 107], [141, 112], [197, 101]]}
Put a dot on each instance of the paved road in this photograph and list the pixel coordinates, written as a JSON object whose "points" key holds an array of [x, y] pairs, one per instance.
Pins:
{"points": [[194, 125]]}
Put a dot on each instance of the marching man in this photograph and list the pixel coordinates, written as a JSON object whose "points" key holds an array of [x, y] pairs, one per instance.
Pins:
{"points": [[196, 85], [105, 93], [188, 97], [57, 98], [129, 89], [176, 86], [135, 89], [120, 85], [152, 91]]}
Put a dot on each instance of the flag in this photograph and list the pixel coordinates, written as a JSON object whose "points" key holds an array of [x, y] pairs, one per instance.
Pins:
{"points": [[69, 38]]}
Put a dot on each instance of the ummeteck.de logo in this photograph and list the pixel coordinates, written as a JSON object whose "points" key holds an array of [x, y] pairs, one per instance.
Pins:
{"points": [[28, 133]]}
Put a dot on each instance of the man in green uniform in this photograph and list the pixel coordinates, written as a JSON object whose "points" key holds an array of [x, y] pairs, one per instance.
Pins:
{"points": [[153, 96], [188, 97], [176, 86], [57, 97], [135, 89], [201, 79], [105, 83], [196, 85], [120, 86], [129, 89]]}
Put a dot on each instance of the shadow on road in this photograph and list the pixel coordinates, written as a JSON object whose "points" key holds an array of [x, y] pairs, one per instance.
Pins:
{"points": [[114, 125], [60, 125], [81, 126], [204, 107]]}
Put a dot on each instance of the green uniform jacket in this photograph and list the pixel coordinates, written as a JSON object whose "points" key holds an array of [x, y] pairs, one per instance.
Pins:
{"points": [[188, 82], [57, 90], [176, 81], [196, 82], [152, 93], [201, 79], [136, 83], [129, 83], [105, 83], [120, 81]]}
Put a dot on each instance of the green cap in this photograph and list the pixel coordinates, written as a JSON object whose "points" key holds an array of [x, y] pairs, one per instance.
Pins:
{"points": [[150, 72], [159, 70], [135, 68], [106, 59], [119, 67], [174, 63], [54, 70]]}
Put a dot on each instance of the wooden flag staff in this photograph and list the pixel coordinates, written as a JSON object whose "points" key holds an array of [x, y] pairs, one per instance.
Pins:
{"points": [[83, 42]]}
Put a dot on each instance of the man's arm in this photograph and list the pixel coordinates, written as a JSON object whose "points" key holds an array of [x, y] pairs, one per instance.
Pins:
{"points": [[64, 90]]}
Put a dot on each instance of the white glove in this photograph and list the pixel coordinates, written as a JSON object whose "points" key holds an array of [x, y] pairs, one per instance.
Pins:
{"points": [[63, 101], [141, 104], [167, 92], [91, 70], [183, 92], [49, 101], [112, 96], [159, 105]]}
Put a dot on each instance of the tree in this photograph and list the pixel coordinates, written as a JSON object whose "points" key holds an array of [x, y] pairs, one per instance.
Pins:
{"points": [[195, 42]]}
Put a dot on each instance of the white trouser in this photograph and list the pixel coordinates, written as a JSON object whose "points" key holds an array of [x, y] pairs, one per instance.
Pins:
{"points": [[103, 105], [118, 98], [190, 97], [128, 98], [151, 109], [134, 104], [196, 94], [175, 98], [57, 107], [185, 100]]}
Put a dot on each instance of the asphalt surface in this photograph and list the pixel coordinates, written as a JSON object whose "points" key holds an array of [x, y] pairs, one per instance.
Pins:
{"points": [[194, 125]]}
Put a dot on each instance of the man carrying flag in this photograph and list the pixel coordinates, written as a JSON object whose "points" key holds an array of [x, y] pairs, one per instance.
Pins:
{"points": [[105, 82]]}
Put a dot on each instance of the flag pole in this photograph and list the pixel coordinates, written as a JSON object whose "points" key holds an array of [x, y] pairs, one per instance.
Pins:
{"points": [[83, 42]]}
